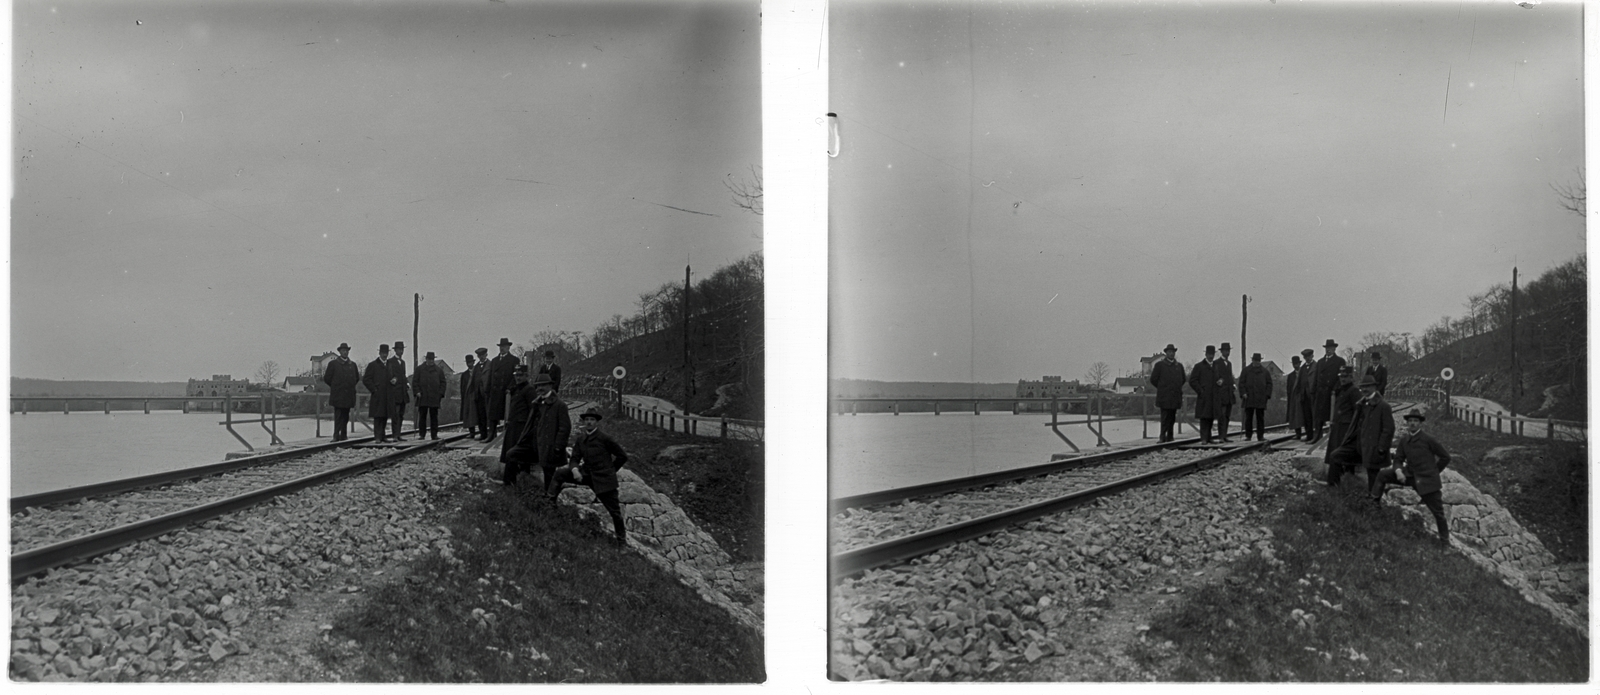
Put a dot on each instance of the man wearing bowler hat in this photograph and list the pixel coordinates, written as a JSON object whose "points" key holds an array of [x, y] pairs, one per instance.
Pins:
{"points": [[1418, 461], [1327, 379], [1291, 384], [499, 383], [376, 379], [596, 458], [1223, 368], [550, 367], [399, 391], [1379, 372], [1306, 388], [480, 392], [1346, 400], [544, 438], [1367, 441], [519, 409], [1203, 380], [1255, 389], [429, 384], [1167, 377], [469, 410], [341, 376]]}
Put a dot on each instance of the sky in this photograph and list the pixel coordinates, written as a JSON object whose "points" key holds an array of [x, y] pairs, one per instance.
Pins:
{"points": [[1025, 189], [204, 186]]}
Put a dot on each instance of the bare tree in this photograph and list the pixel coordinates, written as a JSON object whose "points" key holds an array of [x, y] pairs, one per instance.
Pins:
{"points": [[746, 195], [267, 373], [1574, 197], [1097, 374]]}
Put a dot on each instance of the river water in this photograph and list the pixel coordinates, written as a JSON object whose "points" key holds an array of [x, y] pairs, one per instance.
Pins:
{"points": [[50, 451], [879, 451]]}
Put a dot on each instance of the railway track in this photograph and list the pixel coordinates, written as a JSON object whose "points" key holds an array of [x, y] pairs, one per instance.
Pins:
{"points": [[57, 529], [865, 530]]}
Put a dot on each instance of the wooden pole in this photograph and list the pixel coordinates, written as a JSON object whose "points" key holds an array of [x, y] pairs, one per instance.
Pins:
{"points": [[1516, 377], [688, 371]]}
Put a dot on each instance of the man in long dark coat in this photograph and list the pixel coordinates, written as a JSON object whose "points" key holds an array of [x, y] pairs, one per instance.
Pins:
{"points": [[1291, 385], [544, 439], [1327, 378], [1255, 390], [1379, 372], [480, 390], [399, 391], [499, 382], [519, 411], [550, 367], [1203, 380], [469, 415], [1368, 440], [376, 379], [1346, 399], [1418, 461], [1223, 368], [1167, 376], [429, 384], [1308, 390], [596, 458], [341, 376]]}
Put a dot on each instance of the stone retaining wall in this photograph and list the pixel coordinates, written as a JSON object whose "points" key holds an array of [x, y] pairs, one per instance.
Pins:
{"points": [[1487, 534], [660, 531]]}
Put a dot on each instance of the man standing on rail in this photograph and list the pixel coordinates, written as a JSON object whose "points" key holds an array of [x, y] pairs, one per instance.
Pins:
{"points": [[480, 393], [1308, 389], [1167, 377], [1224, 371], [1327, 378], [430, 385], [399, 391], [341, 376], [1418, 461], [1203, 380], [1379, 372], [469, 413], [376, 379], [1368, 439], [550, 367], [1291, 384], [596, 458], [1346, 399], [499, 382], [519, 411], [1255, 390]]}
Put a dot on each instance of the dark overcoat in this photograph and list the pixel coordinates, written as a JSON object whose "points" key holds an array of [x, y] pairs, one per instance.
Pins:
{"points": [[1204, 382], [522, 399], [500, 369], [554, 370], [400, 390], [376, 379], [599, 457], [1421, 457], [1255, 386], [544, 439], [1372, 432], [1224, 371], [469, 405], [430, 384], [1327, 378], [1291, 385], [1167, 377], [341, 376], [1380, 374], [1346, 399]]}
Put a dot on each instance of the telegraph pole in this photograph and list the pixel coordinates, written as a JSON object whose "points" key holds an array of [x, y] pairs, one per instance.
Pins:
{"points": [[416, 317], [1516, 376], [1244, 309], [688, 371]]}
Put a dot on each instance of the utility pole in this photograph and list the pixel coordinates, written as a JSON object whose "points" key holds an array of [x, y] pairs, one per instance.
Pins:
{"points": [[416, 317], [1244, 309], [1516, 375], [688, 370]]}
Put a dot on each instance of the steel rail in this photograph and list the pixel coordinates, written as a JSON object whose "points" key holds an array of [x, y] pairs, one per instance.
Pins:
{"points": [[111, 487], [904, 548], [72, 550]]}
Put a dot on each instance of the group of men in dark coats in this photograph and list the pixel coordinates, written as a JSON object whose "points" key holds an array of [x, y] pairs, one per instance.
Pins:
{"points": [[1214, 387], [385, 378]]}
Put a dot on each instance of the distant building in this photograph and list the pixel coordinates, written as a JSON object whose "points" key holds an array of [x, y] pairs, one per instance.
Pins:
{"points": [[1050, 386], [217, 385], [301, 384], [1130, 384], [1145, 363]]}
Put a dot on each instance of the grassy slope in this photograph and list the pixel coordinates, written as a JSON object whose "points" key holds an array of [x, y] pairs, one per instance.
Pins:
{"points": [[1402, 609], [585, 610]]}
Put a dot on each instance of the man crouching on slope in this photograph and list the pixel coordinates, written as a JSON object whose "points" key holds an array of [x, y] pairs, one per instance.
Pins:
{"points": [[596, 458], [1418, 461]]}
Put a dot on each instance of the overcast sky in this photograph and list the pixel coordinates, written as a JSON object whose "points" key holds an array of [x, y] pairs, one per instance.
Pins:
{"points": [[204, 186], [1028, 188]]}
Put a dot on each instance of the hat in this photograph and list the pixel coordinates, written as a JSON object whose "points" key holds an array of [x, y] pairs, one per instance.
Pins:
{"points": [[343, 346], [550, 353], [1226, 346], [591, 412], [469, 357], [542, 379], [1308, 352], [399, 344], [1169, 348], [428, 356], [482, 351], [520, 369], [1330, 343], [383, 347], [1415, 415], [1210, 349], [1377, 355], [1347, 371], [1367, 381], [1294, 358], [1255, 357], [504, 341]]}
